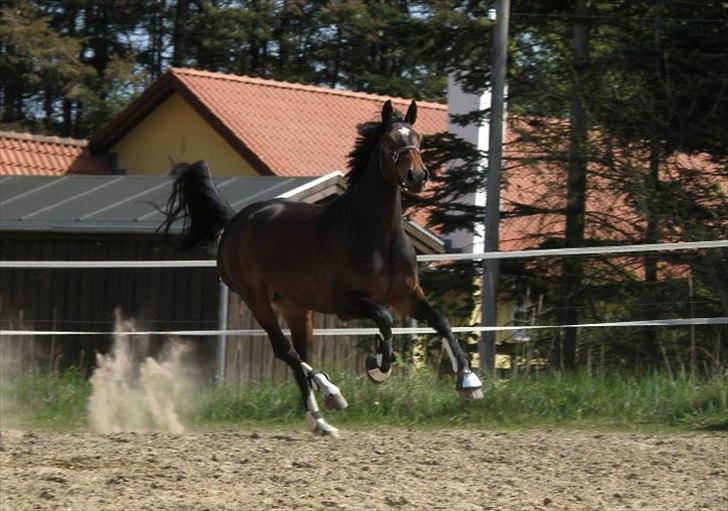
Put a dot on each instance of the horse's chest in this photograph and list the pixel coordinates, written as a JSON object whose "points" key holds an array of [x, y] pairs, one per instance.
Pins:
{"points": [[373, 265], [384, 275]]}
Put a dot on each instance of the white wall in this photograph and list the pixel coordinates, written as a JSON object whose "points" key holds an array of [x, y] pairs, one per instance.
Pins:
{"points": [[461, 102]]}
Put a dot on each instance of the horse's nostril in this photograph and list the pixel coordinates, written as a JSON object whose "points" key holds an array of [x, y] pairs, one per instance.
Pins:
{"points": [[410, 176]]}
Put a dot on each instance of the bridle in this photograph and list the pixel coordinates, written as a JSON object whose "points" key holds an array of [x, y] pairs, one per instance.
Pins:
{"points": [[394, 156], [394, 153]]}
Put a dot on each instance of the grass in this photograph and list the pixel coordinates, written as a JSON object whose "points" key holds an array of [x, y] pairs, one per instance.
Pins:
{"points": [[44, 400], [412, 399]]}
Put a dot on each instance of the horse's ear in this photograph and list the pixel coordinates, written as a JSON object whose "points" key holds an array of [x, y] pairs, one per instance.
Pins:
{"points": [[387, 113], [411, 116]]}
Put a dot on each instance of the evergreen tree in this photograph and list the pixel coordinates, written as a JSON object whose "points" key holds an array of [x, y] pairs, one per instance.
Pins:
{"points": [[39, 69], [583, 78]]}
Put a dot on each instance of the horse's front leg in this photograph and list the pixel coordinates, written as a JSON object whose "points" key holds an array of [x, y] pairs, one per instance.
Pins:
{"points": [[378, 366], [417, 306]]}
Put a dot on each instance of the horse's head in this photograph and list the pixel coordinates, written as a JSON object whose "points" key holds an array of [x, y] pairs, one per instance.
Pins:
{"points": [[401, 162]]}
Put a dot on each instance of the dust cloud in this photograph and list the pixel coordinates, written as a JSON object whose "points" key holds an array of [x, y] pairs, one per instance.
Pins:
{"points": [[131, 390]]}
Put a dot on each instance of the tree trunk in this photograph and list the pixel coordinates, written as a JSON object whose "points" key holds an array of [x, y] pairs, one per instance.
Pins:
{"points": [[652, 196], [576, 189], [179, 33]]}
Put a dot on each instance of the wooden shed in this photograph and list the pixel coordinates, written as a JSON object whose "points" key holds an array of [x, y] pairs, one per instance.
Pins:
{"points": [[112, 217]]}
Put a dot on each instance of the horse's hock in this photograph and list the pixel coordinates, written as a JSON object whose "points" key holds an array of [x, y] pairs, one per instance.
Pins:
{"points": [[251, 359]]}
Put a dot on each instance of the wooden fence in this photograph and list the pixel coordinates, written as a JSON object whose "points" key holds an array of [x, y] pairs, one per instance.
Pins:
{"points": [[156, 298]]}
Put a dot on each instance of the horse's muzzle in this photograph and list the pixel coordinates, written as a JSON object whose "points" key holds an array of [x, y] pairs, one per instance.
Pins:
{"points": [[416, 180]]}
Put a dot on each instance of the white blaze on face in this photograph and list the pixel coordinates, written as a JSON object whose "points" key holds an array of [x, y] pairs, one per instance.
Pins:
{"points": [[404, 131]]}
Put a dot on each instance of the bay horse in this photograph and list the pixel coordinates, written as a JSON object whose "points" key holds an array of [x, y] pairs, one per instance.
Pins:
{"points": [[350, 257]]}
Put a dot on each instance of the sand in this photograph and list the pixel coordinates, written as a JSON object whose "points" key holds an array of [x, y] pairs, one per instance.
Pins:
{"points": [[380, 468]]}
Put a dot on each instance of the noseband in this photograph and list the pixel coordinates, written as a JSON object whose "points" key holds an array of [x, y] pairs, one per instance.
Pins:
{"points": [[394, 153]]}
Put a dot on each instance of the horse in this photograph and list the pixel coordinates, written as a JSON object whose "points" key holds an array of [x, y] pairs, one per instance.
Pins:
{"points": [[349, 257]]}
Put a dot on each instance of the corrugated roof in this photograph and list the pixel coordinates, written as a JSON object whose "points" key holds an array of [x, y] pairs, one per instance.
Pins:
{"points": [[24, 154], [130, 204], [119, 203], [282, 128]]}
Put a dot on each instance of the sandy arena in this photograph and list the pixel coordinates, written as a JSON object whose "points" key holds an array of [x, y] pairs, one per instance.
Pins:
{"points": [[375, 469]]}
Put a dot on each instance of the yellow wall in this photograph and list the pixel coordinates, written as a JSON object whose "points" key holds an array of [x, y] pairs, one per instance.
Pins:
{"points": [[174, 128]]}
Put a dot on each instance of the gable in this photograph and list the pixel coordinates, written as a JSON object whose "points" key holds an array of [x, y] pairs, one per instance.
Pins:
{"points": [[175, 129], [279, 128]]}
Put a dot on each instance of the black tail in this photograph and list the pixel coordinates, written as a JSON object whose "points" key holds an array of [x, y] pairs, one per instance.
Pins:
{"points": [[197, 202]]}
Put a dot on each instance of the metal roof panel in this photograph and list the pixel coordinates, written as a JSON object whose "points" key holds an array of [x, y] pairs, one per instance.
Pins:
{"points": [[112, 202]]}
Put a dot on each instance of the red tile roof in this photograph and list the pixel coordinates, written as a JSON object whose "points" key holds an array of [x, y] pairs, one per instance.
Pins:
{"points": [[24, 154], [282, 128], [531, 180]]}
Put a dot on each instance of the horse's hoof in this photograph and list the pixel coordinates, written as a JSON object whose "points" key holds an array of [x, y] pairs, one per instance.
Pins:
{"points": [[319, 426], [470, 386], [374, 373], [335, 402], [327, 430], [471, 394]]}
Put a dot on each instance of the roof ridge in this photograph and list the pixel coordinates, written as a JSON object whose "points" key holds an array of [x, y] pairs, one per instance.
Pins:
{"points": [[298, 86], [43, 138]]}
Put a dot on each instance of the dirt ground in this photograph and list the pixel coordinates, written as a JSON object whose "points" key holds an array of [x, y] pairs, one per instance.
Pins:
{"points": [[362, 470]]}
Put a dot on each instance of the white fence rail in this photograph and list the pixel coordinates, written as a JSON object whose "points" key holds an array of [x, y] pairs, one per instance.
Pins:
{"points": [[516, 254], [327, 332]]}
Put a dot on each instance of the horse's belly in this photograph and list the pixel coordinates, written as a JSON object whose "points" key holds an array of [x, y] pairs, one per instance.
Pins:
{"points": [[303, 289]]}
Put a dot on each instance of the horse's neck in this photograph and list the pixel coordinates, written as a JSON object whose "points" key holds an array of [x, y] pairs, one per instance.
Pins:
{"points": [[376, 204]]}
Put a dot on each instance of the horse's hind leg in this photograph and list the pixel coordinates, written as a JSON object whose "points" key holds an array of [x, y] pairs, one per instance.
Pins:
{"points": [[283, 350], [300, 322]]}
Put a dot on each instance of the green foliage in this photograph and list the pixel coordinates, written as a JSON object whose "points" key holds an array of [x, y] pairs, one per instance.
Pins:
{"points": [[65, 70], [413, 398], [648, 85], [39, 399], [68, 67], [37, 65], [418, 398]]}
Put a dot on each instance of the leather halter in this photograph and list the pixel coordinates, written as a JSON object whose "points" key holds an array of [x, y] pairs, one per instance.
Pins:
{"points": [[394, 153]]}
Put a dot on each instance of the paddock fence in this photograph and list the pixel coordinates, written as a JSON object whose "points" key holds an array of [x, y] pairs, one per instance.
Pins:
{"points": [[241, 351]]}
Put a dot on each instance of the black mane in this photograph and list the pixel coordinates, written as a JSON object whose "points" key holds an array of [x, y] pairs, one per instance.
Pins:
{"points": [[366, 143]]}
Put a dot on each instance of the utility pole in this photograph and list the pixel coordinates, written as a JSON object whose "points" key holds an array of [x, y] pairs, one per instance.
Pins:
{"points": [[489, 290]]}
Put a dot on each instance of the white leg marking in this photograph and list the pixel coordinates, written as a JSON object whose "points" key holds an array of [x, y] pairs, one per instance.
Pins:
{"points": [[317, 423], [332, 393], [448, 350]]}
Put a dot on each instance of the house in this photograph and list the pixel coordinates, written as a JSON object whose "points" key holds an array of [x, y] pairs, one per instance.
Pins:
{"points": [[244, 126]]}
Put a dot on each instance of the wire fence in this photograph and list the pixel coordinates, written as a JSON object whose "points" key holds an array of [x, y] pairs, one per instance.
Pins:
{"points": [[523, 254]]}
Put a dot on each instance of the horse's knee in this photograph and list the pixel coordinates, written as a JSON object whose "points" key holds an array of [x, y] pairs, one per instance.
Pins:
{"points": [[385, 322]]}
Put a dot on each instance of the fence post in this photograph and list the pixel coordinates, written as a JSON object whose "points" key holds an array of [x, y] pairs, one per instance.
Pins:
{"points": [[222, 324]]}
